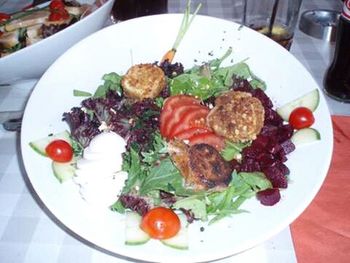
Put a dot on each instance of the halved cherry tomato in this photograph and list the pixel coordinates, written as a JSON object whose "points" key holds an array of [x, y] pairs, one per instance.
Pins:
{"points": [[4, 17], [58, 15], [193, 118], [170, 104], [301, 117], [186, 134], [208, 138], [59, 151], [56, 4], [160, 223]]}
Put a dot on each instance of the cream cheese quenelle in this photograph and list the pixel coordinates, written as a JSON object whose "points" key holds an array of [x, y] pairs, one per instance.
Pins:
{"points": [[99, 172]]}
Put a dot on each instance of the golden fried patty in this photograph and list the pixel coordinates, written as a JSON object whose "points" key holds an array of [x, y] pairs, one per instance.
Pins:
{"points": [[143, 81], [237, 116], [201, 165]]}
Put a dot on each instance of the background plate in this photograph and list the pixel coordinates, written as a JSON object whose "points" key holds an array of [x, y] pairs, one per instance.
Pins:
{"points": [[145, 40]]}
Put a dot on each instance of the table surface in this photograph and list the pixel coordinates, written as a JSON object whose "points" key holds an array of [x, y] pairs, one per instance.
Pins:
{"points": [[28, 233]]}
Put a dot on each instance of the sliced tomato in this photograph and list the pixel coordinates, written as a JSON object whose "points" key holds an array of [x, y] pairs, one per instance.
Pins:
{"points": [[170, 104], [4, 17], [177, 116], [186, 134], [208, 138], [193, 118]]}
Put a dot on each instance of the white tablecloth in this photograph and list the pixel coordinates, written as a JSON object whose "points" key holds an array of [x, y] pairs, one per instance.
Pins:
{"points": [[28, 234]]}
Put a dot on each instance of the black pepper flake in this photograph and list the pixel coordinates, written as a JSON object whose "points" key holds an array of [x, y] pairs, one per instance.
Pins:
{"points": [[202, 229]]}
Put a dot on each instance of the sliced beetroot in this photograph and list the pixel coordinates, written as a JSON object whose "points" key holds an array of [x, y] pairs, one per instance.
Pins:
{"points": [[252, 152], [281, 156], [261, 95], [249, 165], [272, 117], [276, 176], [269, 197], [269, 130], [273, 147], [260, 142], [287, 147], [284, 133], [266, 160]]}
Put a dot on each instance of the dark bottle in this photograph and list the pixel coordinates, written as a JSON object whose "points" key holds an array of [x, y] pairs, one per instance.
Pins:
{"points": [[127, 9], [337, 80]]}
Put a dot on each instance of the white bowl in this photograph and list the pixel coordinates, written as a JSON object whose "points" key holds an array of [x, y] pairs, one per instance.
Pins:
{"points": [[32, 61]]}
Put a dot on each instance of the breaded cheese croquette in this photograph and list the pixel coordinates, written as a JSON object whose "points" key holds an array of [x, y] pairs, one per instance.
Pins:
{"points": [[201, 165], [237, 116], [143, 81]]}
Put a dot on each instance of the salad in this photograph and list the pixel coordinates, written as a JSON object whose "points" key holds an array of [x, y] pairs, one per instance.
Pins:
{"points": [[168, 146], [33, 24]]}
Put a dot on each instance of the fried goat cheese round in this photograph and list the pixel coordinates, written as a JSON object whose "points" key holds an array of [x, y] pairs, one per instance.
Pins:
{"points": [[237, 116], [143, 81], [201, 165]]}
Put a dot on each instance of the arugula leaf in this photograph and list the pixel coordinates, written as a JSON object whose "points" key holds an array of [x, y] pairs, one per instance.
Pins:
{"points": [[111, 82], [257, 181], [159, 177], [233, 150], [132, 165], [158, 151], [81, 93], [196, 205]]}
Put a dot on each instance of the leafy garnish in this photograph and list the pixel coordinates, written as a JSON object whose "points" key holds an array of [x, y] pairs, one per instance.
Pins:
{"points": [[111, 83], [233, 150]]}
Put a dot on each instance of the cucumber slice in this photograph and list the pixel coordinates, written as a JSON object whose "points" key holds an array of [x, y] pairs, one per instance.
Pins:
{"points": [[40, 145], [309, 100], [306, 135], [134, 235], [180, 240], [63, 171]]}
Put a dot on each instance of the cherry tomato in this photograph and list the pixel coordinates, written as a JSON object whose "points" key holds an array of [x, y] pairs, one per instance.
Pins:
{"points": [[160, 223], [192, 118], [208, 138], [170, 104], [58, 15], [4, 17], [59, 151], [301, 117], [56, 4]]}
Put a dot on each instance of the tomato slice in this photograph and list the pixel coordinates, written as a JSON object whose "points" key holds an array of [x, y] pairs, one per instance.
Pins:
{"points": [[186, 134], [208, 138], [178, 114], [56, 4], [301, 117], [193, 118], [4, 17], [160, 223], [58, 15], [59, 151], [170, 104]]}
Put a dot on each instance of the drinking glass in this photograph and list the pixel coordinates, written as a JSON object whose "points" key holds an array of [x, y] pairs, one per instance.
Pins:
{"points": [[274, 18]]}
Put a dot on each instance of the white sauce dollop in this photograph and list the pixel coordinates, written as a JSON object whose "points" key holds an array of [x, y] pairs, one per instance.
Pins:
{"points": [[99, 172]]}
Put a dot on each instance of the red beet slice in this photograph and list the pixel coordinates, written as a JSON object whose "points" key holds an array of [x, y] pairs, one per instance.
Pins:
{"points": [[269, 197]]}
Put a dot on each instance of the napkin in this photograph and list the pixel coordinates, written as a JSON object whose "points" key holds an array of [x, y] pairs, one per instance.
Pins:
{"points": [[322, 232]]}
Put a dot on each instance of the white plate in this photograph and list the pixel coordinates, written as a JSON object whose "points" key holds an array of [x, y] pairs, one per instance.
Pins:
{"points": [[143, 40]]}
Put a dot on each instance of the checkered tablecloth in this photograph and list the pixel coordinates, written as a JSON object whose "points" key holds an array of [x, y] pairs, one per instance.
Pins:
{"points": [[28, 234]]}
